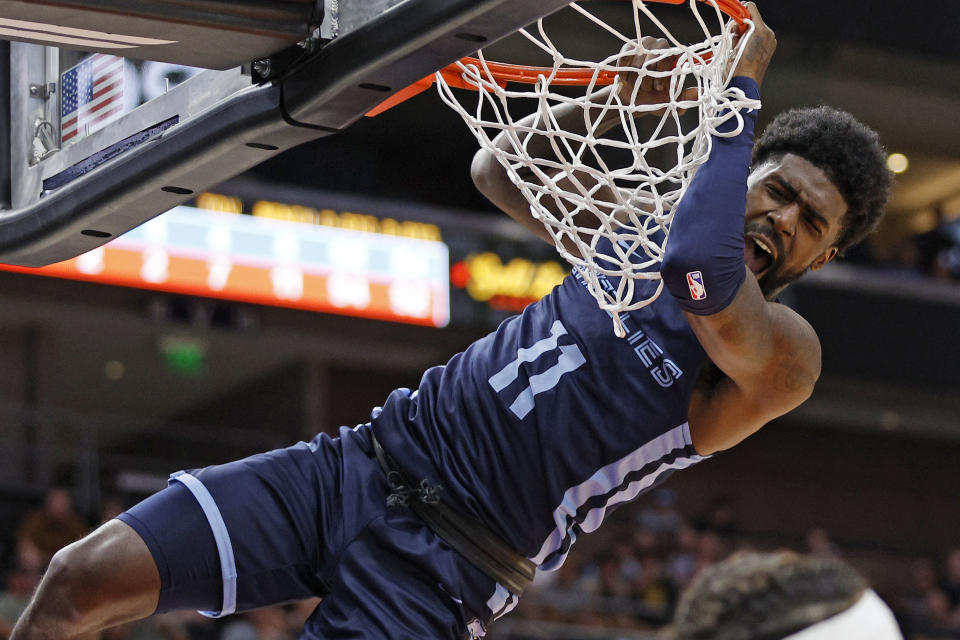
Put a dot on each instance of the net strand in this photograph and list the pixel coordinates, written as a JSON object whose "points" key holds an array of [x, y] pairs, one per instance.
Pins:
{"points": [[576, 190]]}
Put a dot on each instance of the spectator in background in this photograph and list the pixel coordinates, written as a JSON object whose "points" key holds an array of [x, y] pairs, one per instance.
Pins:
{"points": [[906, 259], [936, 620], [646, 542], [711, 548], [938, 249], [652, 590], [720, 518], [164, 627], [557, 595], [759, 596], [660, 516], [297, 614], [20, 584], [269, 623], [923, 579], [682, 563], [46, 530], [819, 544], [612, 580], [111, 506], [951, 579]]}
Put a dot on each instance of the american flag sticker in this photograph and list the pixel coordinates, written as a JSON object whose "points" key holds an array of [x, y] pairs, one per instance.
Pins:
{"points": [[695, 283], [91, 95]]}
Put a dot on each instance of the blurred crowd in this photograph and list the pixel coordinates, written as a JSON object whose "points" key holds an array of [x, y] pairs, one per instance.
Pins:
{"points": [[55, 523], [626, 576], [933, 254], [630, 573]]}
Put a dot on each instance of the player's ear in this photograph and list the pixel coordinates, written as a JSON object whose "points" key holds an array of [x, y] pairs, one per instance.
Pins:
{"points": [[824, 258]]}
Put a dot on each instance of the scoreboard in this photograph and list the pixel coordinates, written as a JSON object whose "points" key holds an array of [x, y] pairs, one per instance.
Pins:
{"points": [[267, 261]]}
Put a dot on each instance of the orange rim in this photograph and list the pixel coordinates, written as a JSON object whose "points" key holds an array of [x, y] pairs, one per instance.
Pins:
{"points": [[502, 72]]}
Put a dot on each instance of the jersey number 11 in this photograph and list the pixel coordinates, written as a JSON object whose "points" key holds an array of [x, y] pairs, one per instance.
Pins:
{"points": [[569, 359]]}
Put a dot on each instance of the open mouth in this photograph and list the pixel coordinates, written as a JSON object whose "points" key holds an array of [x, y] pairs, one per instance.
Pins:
{"points": [[759, 253]]}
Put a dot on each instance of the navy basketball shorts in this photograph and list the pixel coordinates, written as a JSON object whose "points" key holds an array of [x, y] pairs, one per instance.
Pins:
{"points": [[310, 520]]}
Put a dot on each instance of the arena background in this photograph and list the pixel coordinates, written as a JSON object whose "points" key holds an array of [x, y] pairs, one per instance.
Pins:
{"points": [[106, 389]]}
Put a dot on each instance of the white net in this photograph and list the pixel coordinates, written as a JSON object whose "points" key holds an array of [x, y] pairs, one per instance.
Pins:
{"points": [[582, 183]]}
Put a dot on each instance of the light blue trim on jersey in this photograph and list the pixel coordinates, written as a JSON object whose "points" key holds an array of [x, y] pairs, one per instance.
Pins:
{"points": [[606, 480], [502, 601], [228, 565]]}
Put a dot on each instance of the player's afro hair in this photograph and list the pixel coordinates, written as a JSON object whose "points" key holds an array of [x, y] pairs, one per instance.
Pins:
{"points": [[848, 151], [764, 596]]}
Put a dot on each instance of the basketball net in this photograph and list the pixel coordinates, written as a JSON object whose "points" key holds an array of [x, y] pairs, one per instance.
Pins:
{"points": [[564, 188]]}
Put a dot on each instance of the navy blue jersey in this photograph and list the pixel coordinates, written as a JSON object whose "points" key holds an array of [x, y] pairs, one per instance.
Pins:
{"points": [[543, 426]]}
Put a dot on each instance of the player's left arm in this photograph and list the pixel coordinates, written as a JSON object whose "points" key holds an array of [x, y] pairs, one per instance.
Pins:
{"points": [[771, 358], [770, 355]]}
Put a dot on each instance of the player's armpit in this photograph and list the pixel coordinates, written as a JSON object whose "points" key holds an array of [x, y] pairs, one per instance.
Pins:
{"points": [[769, 353], [728, 413], [723, 416]]}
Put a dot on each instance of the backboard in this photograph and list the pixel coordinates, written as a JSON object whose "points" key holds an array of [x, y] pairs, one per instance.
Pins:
{"points": [[279, 74]]}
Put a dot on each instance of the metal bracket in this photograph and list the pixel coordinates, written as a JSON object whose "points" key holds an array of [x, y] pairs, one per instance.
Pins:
{"points": [[382, 46], [330, 27], [45, 141], [44, 91]]}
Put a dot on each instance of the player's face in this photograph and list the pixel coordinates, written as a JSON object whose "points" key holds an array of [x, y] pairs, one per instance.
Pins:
{"points": [[793, 220]]}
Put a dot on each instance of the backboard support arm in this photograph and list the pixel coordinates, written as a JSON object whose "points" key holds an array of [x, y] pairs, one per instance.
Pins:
{"points": [[243, 127], [5, 159]]}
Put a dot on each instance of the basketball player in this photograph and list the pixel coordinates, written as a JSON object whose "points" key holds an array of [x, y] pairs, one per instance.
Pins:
{"points": [[769, 596], [428, 521]]}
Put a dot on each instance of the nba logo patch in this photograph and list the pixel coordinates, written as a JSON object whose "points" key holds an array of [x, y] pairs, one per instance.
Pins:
{"points": [[695, 282]]}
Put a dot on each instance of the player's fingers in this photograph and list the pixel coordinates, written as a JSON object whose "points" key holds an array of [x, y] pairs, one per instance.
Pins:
{"points": [[761, 27], [646, 84], [755, 14], [667, 66], [687, 95], [629, 60], [663, 65], [646, 80], [650, 43], [627, 53]]}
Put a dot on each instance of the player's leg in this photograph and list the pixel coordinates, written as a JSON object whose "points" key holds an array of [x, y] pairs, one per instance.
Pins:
{"points": [[222, 539], [105, 579]]}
